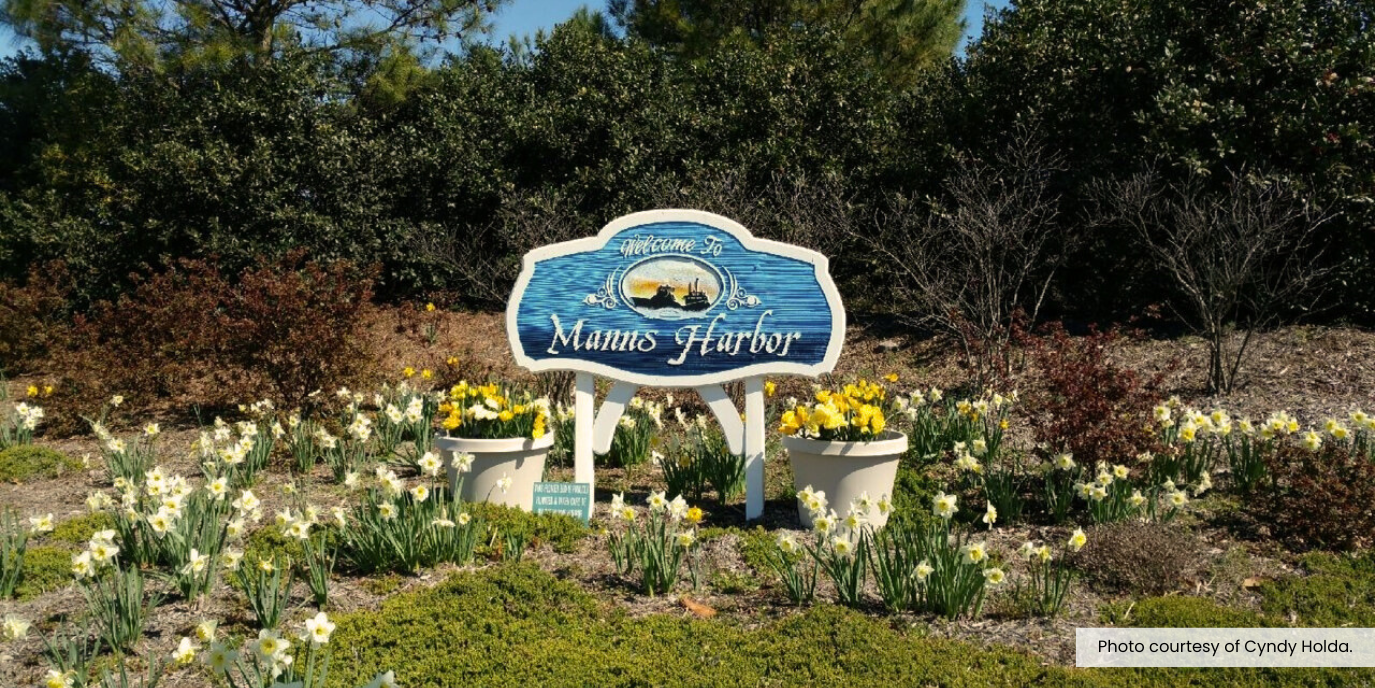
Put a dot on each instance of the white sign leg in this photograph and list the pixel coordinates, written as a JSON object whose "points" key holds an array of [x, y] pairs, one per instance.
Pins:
{"points": [[754, 447], [609, 415], [584, 413], [720, 404]]}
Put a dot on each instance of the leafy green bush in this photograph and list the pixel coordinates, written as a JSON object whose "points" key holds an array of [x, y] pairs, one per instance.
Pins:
{"points": [[560, 531], [912, 494], [753, 545], [32, 462], [45, 568], [79, 529], [269, 542]]}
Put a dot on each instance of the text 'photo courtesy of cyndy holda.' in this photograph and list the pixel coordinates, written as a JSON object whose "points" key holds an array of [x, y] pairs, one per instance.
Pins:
{"points": [[1225, 647]]}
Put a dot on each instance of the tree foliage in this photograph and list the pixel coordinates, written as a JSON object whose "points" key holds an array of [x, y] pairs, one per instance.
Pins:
{"points": [[382, 156], [145, 33], [896, 38]]}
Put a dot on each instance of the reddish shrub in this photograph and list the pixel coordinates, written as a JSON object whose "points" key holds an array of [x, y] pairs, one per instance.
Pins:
{"points": [[285, 329], [1081, 401], [296, 326], [33, 317], [1323, 499]]}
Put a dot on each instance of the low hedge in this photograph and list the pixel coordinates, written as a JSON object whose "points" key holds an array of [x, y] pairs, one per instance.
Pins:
{"points": [[517, 625]]}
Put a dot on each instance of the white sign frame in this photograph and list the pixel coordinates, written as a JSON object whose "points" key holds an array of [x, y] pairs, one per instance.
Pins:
{"points": [[595, 428]]}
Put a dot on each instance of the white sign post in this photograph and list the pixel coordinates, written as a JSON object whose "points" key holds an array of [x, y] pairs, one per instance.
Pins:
{"points": [[674, 299]]}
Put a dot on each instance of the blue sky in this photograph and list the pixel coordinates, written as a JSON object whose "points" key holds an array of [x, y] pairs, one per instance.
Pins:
{"points": [[525, 16]]}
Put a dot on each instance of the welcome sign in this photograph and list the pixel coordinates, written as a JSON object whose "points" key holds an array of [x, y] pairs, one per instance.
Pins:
{"points": [[676, 298]]}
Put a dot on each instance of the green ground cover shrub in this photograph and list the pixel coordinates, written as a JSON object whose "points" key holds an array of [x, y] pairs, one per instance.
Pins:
{"points": [[515, 624], [560, 531], [753, 545], [1339, 590], [31, 462], [45, 568], [269, 542], [1182, 611], [79, 529]]}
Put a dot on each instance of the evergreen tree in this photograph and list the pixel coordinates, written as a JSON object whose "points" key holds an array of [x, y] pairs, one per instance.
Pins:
{"points": [[150, 33], [899, 38]]}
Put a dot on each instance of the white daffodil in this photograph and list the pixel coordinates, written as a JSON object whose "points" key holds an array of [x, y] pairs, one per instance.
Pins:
{"points": [[299, 529], [14, 627], [185, 652], [786, 543], [230, 559], [319, 629], [975, 552], [463, 462], [41, 524], [1077, 540], [945, 505], [924, 570], [195, 563], [430, 463], [270, 645], [246, 502], [81, 565], [842, 546], [658, 501]]}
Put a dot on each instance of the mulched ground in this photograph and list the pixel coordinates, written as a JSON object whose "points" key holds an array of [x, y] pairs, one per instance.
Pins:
{"points": [[1313, 372]]}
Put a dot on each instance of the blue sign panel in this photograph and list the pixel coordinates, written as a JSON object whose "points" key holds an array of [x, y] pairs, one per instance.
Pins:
{"points": [[676, 298]]}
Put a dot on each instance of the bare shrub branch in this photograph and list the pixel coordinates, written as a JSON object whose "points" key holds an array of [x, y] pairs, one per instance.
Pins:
{"points": [[968, 266], [1238, 260]]}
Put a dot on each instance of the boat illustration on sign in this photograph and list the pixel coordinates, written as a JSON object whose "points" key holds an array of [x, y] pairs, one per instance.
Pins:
{"points": [[671, 287]]}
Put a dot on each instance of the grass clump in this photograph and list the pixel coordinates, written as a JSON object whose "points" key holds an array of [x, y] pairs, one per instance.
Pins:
{"points": [[79, 529], [560, 531], [45, 568], [1339, 590], [515, 624], [30, 462]]}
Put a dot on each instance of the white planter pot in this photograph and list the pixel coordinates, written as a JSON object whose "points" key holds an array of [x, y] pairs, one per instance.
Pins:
{"points": [[521, 459], [844, 470]]}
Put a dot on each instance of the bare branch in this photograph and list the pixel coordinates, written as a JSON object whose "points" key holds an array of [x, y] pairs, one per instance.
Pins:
{"points": [[1239, 258]]}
